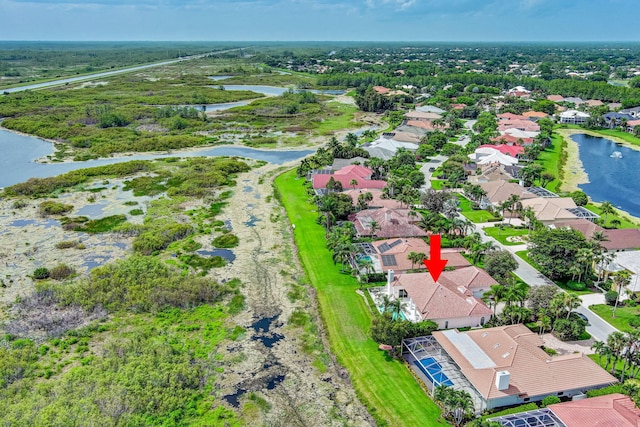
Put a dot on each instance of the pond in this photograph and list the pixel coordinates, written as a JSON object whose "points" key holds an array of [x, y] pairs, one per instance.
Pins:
{"points": [[612, 179], [19, 152]]}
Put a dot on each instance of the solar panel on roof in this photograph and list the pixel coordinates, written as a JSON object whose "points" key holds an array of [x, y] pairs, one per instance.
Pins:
{"points": [[396, 243], [389, 260], [384, 248]]}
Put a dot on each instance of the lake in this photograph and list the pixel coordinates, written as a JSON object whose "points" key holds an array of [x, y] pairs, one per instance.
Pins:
{"points": [[611, 179], [19, 152]]}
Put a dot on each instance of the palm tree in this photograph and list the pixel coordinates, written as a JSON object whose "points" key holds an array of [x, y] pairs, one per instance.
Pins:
{"points": [[584, 257], [374, 226], [544, 321], [514, 205], [606, 208], [598, 347], [353, 183], [495, 295], [415, 258], [571, 302], [621, 280], [616, 342], [327, 206]]}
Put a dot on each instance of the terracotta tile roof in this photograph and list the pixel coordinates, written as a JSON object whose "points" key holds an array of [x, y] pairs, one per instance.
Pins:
{"points": [[400, 248], [617, 239], [377, 202], [361, 174], [611, 410], [458, 106], [524, 125], [511, 150], [517, 350], [633, 123], [421, 115], [406, 136], [439, 300], [509, 116], [594, 102], [511, 139], [555, 98], [470, 277], [551, 209], [381, 90], [499, 191], [392, 223], [538, 114], [425, 125]]}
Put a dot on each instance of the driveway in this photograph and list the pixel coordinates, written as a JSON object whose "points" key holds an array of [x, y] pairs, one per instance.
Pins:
{"points": [[598, 328], [433, 163]]}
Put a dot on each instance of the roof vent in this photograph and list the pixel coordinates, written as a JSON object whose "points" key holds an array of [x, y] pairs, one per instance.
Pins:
{"points": [[496, 345], [504, 356], [484, 334]]}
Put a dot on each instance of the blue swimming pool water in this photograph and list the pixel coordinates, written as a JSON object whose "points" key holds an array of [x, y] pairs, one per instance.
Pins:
{"points": [[432, 369]]}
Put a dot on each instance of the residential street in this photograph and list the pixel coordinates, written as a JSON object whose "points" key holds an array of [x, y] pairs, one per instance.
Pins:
{"points": [[598, 328]]}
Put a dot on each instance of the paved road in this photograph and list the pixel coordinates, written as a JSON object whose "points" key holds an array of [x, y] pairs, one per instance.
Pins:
{"points": [[109, 73], [433, 163], [598, 328]]}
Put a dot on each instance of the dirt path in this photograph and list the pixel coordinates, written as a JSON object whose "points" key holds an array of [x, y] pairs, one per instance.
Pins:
{"points": [[269, 360]]}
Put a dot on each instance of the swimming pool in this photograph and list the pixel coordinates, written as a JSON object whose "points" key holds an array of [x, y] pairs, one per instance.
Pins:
{"points": [[432, 369], [365, 258]]}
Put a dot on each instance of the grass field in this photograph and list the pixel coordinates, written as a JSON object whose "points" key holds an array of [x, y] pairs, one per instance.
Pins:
{"points": [[623, 315], [501, 235], [625, 222], [384, 385], [619, 134], [477, 216], [550, 161], [437, 184]]}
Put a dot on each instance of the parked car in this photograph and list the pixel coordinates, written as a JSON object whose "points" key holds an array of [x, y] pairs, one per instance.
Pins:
{"points": [[582, 316]]}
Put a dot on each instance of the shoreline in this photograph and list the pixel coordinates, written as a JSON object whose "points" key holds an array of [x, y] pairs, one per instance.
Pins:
{"points": [[573, 173], [573, 170], [615, 139]]}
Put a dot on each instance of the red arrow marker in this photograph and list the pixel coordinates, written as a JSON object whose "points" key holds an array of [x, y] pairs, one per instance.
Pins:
{"points": [[435, 264]]}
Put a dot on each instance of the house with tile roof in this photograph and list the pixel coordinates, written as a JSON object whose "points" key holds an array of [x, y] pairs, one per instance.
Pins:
{"points": [[535, 115], [611, 410], [550, 210], [345, 175], [422, 116], [506, 117], [443, 302], [506, 366], [510, 150], [389, 223], [512, 140], [524, 125], [392, 255], [555, 98], [617, 240], [499, 191], [377, 201]]}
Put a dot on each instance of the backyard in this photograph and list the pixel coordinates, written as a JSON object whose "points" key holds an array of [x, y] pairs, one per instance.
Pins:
{"points": [[385, 385], [625, 222]]}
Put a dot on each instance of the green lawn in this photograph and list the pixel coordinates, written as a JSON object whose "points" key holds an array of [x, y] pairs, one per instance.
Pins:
{"points": [[384, 385], [524, 255], [619, 134], [550, 161], [501, 235], [602, 362], [476, 216], [623, 315], [437, 184], [624, 220]]}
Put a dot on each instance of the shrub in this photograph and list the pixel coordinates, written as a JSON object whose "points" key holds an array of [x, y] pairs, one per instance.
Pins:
{"points": [[550, 400], [634, 322], [61, 272], [611, 297], [569, 329], [53, 208], [19, 204], [41, 273], [226, 241], [136, 212], [66, 244], [576, 286]]}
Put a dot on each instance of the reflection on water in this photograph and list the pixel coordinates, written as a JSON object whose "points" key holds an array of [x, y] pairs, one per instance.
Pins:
{"points": [[611, 179], [19, 152]]}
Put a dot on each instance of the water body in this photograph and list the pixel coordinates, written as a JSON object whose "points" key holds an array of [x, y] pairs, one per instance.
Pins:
{"points": [[19, 152], [611, 179], [277, 91]]}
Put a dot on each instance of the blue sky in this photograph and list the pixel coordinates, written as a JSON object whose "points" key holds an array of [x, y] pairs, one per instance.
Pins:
{"points": [[293, 20]]}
